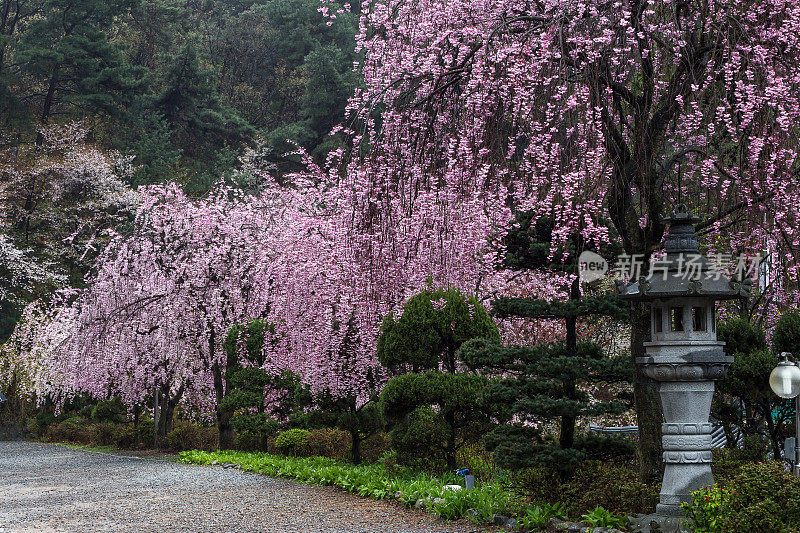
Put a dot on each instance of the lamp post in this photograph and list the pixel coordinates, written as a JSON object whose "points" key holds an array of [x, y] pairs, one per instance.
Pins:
{"points": [[784, 380], [684, 355]]}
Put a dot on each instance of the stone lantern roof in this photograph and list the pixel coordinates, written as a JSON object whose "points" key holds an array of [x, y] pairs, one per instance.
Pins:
{"points": [[684, 271]]}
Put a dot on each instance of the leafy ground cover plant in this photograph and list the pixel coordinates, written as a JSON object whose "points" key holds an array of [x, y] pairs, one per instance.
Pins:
{"points": [[537, 517], [600, 517], [374, 481]]}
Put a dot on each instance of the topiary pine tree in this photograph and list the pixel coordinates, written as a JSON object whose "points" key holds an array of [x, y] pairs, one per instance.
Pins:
{"points": [[432, 406], [740, 399], [541, 384], [350, 405], [256, 402]]}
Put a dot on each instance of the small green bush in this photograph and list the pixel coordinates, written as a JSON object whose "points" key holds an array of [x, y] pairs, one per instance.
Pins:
{"points": [[786, 335], [188, 436], [728, 461], [705, 509], [759, 497], [73, 429], [292, 441], [332, 443], [599, 517], [613, 487], [127, 437], [145, 434], [32, 427], [374, 447], [105, 433], [538, 516], [110, 411]]}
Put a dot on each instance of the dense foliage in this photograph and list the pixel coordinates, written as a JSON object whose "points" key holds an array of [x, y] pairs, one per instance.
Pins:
{"points": [[761, 496], [545, 382], [743, 404], [431, 407]]}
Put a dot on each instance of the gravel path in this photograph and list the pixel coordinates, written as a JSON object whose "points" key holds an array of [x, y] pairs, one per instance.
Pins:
{"points": [[46, 487]]}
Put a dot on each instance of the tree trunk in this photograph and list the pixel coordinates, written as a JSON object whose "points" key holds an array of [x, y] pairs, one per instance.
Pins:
{"points": [[450, 418], [567, 436], [156, 399], [355, 450], [226, 436], [648, 405], [47, 105]]}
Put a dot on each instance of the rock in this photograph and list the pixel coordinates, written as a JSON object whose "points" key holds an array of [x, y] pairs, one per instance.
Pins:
{"points": [[499, 520], [453, 487], [438, 501], [511, 525], [419, 504]]}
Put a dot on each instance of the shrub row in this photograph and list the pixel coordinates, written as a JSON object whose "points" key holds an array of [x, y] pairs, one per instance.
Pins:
{"points": [[80, 430], [379, 482]]}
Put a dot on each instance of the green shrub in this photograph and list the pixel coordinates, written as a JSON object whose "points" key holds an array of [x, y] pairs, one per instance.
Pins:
{"points": [[331, 443], [292, 441], [759, 497], [44, 419], [127, 437], [110, 411], [32, 427], [538, 516], [188, 436], [374, 447], [613, 487], [480, 463], [105, 433], [705, 508], [786, 335], [144, 434], [73, 429], [536, 482], [431, 409], [728, 461], [418, 438]]}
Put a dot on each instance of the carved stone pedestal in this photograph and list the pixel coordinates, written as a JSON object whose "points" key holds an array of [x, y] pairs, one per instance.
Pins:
{"points": [[686, 387]]}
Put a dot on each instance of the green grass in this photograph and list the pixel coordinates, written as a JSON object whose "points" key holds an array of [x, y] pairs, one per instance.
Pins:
{"points": [[373, 481], [88, 448]]}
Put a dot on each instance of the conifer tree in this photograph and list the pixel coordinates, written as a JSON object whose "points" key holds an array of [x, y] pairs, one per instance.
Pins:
{"points": [[432, 406], [257, 401], [542, 384], [68, 52]]}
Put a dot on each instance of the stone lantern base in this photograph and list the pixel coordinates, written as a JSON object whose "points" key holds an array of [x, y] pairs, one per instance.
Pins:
{"points": [[686, 388]]}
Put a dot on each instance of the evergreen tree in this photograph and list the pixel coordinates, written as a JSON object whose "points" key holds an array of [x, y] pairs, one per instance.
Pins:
{"points": [[741, 399], [208, 131], [67, 51], [146, 137], [350, 406], [256, 402], [541, 384], [432, 406]]}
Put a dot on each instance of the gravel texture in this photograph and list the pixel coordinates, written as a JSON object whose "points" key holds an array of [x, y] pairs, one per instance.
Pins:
{"points": [[46, 487]]}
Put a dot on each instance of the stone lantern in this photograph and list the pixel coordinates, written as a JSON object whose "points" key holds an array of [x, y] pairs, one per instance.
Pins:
{"points": [[684, 355]]}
